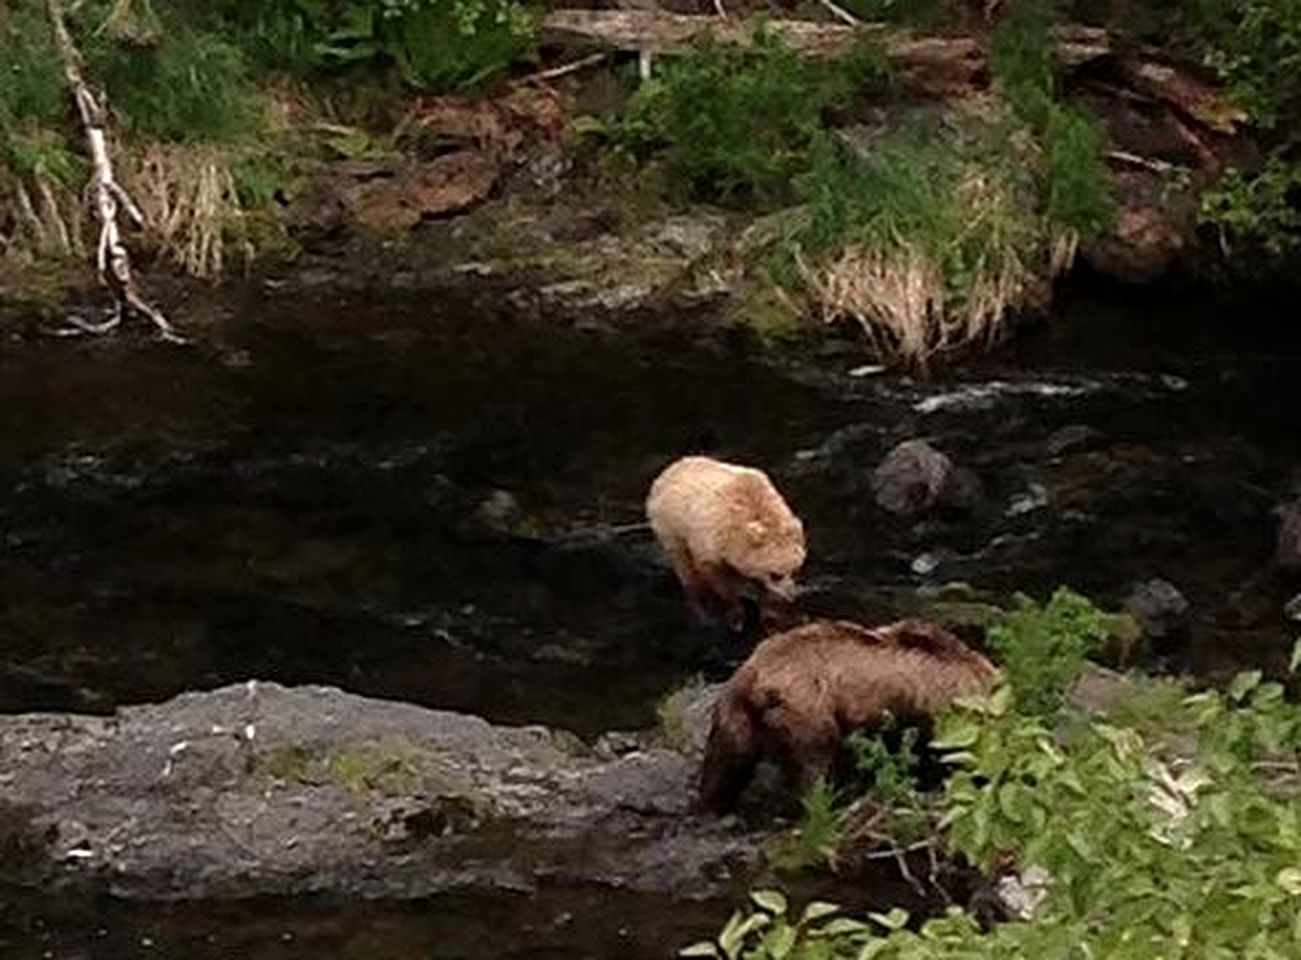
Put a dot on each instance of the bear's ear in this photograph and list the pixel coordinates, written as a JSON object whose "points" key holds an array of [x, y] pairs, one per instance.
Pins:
{"points": [[756, 531]]}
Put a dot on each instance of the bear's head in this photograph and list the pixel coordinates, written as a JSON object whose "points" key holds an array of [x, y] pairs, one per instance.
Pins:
{"points": [[771, 555]]}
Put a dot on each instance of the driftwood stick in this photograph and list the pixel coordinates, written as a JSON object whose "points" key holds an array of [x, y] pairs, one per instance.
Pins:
{"points": [[112, 259]]}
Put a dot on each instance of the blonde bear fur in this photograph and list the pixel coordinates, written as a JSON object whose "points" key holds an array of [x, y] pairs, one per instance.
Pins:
{"points": [[801, 692], [722, 525]]}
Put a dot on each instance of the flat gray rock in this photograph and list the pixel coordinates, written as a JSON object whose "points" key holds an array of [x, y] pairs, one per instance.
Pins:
{"points": [[260, 789]]}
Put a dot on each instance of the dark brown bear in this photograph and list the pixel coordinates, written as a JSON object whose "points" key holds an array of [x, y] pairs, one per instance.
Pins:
{"points": [[803, 691]]}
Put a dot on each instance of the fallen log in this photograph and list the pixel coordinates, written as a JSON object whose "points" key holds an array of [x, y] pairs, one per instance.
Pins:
{"points": [[939, 66], [663, 32]]}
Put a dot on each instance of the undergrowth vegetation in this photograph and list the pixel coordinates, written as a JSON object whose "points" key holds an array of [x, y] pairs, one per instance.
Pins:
{"points": [[928, 234], [738, 124], [924, 237], [1254, 46], [189, 87], [1076, 196], [1261, 210], [1169, 827]]}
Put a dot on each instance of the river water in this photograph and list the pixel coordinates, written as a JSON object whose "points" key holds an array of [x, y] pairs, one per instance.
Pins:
{"points": [[437, 499]]}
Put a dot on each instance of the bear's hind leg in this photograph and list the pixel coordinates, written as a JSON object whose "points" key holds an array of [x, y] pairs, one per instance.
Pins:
{"points": [[731, 756], [805, 745]]}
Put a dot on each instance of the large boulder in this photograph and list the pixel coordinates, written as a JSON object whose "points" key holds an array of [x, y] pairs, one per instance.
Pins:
{"points": [[260, 789]]}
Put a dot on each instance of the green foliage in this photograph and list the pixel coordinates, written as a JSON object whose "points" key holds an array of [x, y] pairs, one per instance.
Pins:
{"points": [[928, 190], [185, 72], [437, 45], [1043, 648], [1147, 850], [32, 88], [1262, 209], [1255, 45], [191, 86], [33, 97], [818, 836], [43, 153], [1076, 192], [733, 122], [893, 770], [1021, 59]]}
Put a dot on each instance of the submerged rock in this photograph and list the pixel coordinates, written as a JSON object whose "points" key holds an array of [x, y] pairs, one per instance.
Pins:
{"points": [[1158, 606], [260, 789], [914, 478]]}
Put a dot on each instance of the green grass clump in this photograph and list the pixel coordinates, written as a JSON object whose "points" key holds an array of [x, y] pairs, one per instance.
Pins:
{"points": [[189, 87], [926, 237], [1077, 196], [33, 97]]}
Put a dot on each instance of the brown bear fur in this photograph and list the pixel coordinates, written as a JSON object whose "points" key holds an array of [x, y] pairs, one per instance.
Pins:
{"points": [[803, 691], [723, 527]]}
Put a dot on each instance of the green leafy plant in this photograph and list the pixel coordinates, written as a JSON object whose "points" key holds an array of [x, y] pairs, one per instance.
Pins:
{"points": [[1255, 45], [892, 769], [32, 88], [1263, 209], [191, 86], [437, 45], [818, 835], [1043, 648], [768, 933]]}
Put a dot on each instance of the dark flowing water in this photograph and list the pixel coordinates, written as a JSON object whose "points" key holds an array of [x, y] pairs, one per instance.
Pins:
{"points": [[428, 500]]}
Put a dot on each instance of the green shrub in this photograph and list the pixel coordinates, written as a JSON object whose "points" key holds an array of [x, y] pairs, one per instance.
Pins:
{"points": [[1043, 648], [33, 98], [818, 836], [437, 45], [191, 86], [736, 122], [892, 770], [1074, 179], [1255, 45], [1262, 209], [32, 88]]}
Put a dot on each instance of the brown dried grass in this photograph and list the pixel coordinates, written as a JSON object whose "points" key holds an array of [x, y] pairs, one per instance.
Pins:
{"points": [[896, 288], [188, 197]]}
